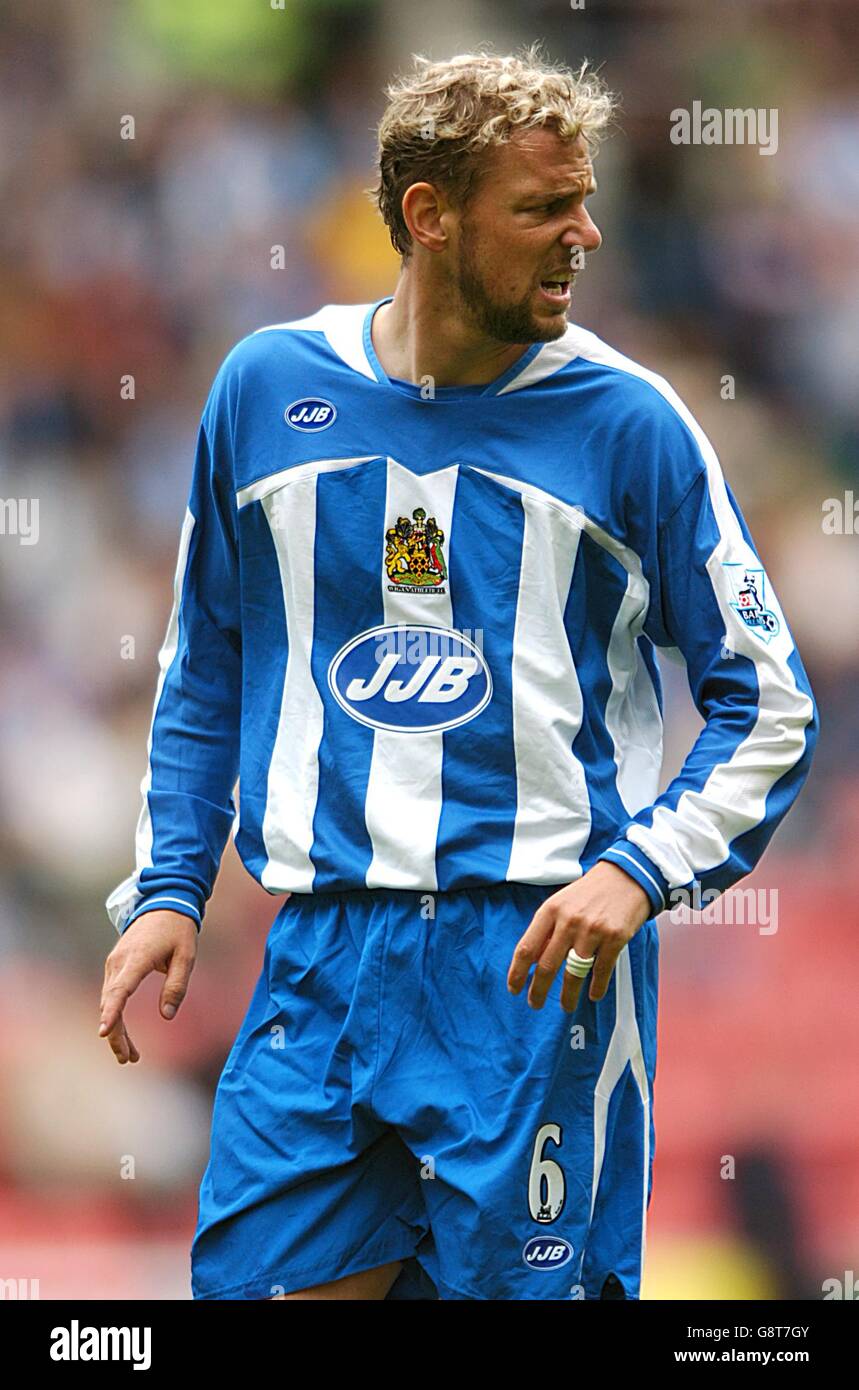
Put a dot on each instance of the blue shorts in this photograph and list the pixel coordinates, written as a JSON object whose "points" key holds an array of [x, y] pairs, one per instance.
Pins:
{"points": [[388, 1099]]}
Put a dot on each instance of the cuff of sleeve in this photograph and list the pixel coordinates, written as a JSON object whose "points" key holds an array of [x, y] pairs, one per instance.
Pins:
{"points": [[629, 857], [169, 902]]}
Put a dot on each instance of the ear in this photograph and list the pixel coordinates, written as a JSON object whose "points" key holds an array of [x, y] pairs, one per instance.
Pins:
{"points": [[426, 212]]}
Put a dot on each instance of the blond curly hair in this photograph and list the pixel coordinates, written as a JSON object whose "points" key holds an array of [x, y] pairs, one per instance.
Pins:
{"points": [[442, 116]]}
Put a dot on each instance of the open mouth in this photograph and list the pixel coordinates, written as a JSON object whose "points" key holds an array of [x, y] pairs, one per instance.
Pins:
{"points": [[557, 291]]}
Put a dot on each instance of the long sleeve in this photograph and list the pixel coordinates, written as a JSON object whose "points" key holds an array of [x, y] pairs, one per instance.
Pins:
{"points": [[711, 601], [193, 749]]}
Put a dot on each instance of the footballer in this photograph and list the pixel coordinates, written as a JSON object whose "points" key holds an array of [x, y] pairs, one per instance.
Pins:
{"points": [[432, 546]]}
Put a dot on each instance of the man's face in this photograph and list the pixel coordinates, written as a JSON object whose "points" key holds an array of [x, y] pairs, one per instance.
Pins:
{"points": [[517, 234]]}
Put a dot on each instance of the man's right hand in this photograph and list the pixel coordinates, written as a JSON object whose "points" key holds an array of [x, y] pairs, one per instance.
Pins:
{"points": [[157, 940]]}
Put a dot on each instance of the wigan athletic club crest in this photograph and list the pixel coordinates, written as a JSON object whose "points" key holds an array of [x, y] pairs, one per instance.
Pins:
{"points": [[414, 555]]}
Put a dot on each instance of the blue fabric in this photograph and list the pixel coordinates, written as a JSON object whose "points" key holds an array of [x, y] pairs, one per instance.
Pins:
{"points": [[383, 1099], [657, 565]]}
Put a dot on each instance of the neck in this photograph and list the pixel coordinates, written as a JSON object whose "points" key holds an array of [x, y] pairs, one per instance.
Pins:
{"points": [[423, 333]]}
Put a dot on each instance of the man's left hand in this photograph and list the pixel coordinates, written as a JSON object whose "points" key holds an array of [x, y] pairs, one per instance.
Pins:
{"points": [[598, 915]]}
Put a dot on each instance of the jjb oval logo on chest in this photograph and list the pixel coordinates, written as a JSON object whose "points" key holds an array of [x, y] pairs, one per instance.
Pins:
{"points": [[310, 414], [410, 678]]}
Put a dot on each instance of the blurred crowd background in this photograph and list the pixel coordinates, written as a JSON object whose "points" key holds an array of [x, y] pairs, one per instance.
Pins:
{"points": [[150, 257]]}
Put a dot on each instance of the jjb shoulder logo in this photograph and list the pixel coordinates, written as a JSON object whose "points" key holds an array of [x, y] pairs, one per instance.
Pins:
{"points": [[310, 415], [410, 678], [414, 555], [748, 586]]}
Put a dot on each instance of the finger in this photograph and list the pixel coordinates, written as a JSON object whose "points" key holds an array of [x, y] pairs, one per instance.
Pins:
{"points": [[113, 1000], [529, 947], [552, 959], [121, 1044], [175, 987], [118, 991], [570, 991], [547, 967], [602, 972], [541, 983]]}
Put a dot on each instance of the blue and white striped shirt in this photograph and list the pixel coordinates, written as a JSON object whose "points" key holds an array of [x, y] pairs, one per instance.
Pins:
{"points": [[418, 629]]}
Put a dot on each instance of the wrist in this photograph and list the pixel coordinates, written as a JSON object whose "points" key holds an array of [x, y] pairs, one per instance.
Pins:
{"points": [[631, 861], [624, 883]]}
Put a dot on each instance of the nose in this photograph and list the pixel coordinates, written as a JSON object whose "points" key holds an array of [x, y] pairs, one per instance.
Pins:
{"points": [[582, 231]]}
